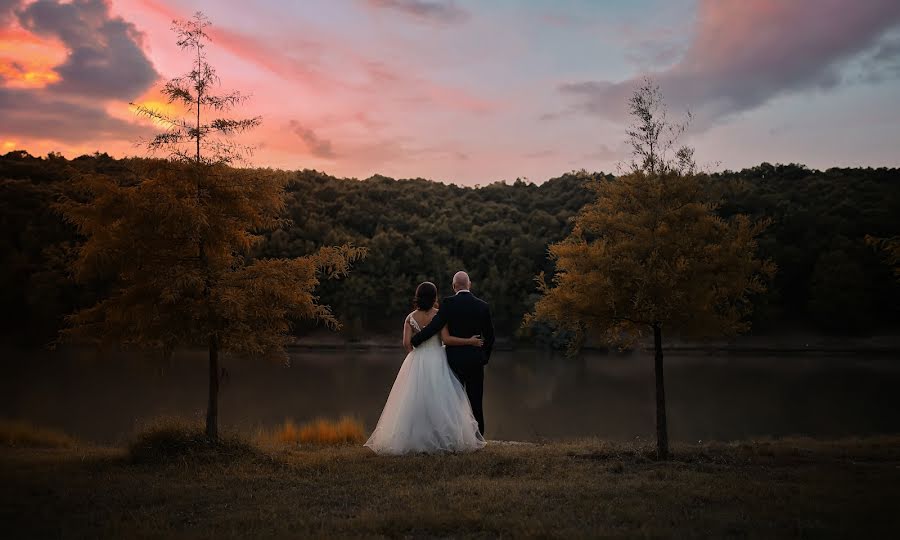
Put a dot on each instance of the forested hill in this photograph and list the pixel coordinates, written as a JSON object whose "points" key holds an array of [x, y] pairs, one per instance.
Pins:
{"points": [[827, 276], [419, 230]]}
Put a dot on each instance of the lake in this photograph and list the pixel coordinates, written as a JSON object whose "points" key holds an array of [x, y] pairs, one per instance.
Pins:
{"points": [[529, 395]]}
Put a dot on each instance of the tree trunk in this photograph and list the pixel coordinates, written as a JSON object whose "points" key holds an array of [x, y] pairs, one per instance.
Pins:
{"points": [[199, 96], [662, 433], [212, 408]]}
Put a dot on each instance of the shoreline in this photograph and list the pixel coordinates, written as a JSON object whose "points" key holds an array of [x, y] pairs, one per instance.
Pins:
{"points": [[880, 351], [885, 346], [788, 345]]}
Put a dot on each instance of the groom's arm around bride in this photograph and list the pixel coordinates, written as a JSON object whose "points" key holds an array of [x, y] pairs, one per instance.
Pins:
{"points": [[464, 315]]}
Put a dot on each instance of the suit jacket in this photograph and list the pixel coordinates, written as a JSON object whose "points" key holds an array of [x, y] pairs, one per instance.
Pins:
{"points": [[465, 315]]}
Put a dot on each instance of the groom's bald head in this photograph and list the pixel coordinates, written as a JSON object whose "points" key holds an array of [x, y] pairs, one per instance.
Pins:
{"points": [[461, 281]]}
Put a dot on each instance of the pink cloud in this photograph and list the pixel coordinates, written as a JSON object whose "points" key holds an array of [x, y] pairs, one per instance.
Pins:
{"points": [[299, 66], [352, 105], [745, 52], [379, 78], [303, 60]]}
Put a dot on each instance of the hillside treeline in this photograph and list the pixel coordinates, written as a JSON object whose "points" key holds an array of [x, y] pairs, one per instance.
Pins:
{"points": [[416, 230]]}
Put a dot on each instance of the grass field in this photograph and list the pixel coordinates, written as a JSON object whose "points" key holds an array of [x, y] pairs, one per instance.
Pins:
{"points": [[788, 488]]}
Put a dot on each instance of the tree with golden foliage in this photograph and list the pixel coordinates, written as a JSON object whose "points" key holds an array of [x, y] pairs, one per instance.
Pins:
{"points": [[650, 254], [175, 244]]}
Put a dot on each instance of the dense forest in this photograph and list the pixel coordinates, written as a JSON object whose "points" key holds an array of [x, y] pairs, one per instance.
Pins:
{"points": [[828, 278]]}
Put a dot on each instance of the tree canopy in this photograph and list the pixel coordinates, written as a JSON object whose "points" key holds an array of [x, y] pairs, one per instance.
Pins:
{"points": [[650, 250], [141, 240]]}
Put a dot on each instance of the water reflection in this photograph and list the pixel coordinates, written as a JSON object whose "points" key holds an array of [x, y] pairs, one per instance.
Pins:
{"points": [[529, 394]]}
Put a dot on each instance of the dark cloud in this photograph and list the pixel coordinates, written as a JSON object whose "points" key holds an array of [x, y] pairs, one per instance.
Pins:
{"points": [[888, 51], [604, 153], [540, 154], [438, 11], [105, 57], [884, 63], [8, 9], [39, 115], [317, 146], [745, 52], [652, 54], [551, 116]]}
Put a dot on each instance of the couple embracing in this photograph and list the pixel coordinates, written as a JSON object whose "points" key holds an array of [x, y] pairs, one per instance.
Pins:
{"points": [[435, 404]]}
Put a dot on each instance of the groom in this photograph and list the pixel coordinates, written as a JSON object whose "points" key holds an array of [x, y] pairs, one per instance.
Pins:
{"points": [[465, 315]]}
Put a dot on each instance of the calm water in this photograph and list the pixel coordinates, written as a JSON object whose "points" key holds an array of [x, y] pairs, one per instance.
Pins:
{"points": [[528, 395]]}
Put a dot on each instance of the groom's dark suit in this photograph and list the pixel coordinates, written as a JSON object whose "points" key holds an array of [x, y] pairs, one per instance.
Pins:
{"points": [[465, 316]]}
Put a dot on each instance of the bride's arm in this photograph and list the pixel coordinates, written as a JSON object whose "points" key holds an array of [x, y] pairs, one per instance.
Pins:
{"points": [[407, 336], [454, 341]]}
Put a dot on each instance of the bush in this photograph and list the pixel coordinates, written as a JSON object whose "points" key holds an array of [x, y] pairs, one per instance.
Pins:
{"points": [[165, 440], [17, 433]]}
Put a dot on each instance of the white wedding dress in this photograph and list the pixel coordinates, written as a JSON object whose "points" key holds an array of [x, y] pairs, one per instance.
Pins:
{"points": [[427, 409]]}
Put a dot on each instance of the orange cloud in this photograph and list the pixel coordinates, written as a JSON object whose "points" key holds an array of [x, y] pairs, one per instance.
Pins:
{"points": [[163, 109], [16, 75], [27, 60]]}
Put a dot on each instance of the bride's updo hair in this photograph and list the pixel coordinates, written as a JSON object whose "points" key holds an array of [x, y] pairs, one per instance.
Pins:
{"points": [[426, 295]]}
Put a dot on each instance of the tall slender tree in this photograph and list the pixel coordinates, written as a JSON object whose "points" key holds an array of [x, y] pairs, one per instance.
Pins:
{"points": [[177, 243], [650, 254], [194, 138]]}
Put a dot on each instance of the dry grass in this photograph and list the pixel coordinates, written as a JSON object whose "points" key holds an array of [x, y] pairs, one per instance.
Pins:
{"points": [[768, 489], [22, 434], [320, 431]]}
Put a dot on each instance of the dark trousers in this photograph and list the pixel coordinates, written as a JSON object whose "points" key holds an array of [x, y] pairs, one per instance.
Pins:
{"points": [[470, 373]]}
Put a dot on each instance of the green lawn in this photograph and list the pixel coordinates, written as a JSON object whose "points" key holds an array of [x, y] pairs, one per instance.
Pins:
{"points": [[791, 488]]}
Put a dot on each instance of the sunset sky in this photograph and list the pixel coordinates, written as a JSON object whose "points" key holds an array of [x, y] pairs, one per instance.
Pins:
{"points": [[469, 91]]}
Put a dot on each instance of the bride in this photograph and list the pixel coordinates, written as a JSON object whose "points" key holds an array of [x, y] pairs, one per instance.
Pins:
{"points": [[427, 409]]}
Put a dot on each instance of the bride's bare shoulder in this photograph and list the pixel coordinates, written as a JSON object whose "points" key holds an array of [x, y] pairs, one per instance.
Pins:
{"points": [[422, 318], [414, 316]]}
